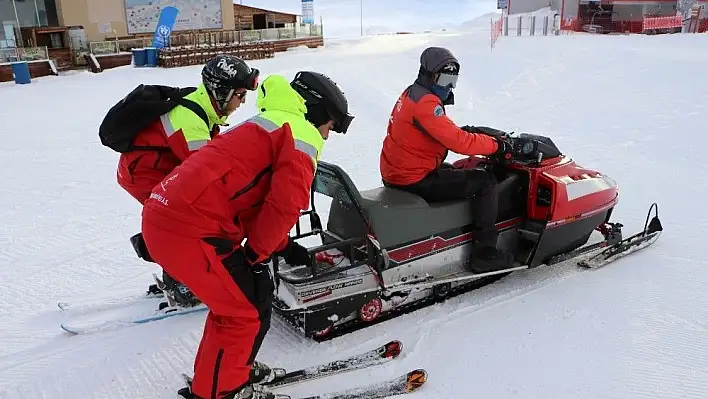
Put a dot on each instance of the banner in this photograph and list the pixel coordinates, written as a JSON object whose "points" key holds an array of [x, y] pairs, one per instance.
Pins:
{"points": [[308, 12], [142, 15], [165, 23]]}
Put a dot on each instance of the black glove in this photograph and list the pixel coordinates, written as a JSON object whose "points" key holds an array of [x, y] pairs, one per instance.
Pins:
{"points": [[295, 254], [504, 149], [141, 248], [253, 279]]}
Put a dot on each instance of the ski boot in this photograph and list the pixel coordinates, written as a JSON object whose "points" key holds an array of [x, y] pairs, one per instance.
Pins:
{"points": [[261, 373], [249, 391], [181, 294]]}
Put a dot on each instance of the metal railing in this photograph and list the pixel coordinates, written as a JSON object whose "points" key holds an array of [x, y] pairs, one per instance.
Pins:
{"points": [[209, 38], [23, 54]]}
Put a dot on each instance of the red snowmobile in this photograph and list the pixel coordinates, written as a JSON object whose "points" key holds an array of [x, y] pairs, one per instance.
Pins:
{"points": [[385, 250]]}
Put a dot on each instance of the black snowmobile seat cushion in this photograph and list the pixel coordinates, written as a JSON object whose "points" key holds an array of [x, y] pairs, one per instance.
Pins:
{"points": [[388, 197]]}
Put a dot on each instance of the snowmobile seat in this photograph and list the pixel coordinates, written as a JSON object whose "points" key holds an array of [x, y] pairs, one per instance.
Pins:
{"points": [[398, 217], [389, 197]]}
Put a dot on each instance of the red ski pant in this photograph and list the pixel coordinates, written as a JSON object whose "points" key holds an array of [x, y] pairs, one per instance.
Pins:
{"points": [[239, 301]]}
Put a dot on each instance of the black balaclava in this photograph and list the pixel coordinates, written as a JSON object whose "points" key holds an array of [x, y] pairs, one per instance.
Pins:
{"points": [[432, 61]]}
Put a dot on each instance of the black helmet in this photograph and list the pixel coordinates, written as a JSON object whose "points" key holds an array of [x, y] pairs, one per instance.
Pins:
{"points": [[324, 100], [224, 74]]}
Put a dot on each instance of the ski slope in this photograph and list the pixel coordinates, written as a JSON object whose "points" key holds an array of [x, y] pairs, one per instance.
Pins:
{"points": [[632, 107]]}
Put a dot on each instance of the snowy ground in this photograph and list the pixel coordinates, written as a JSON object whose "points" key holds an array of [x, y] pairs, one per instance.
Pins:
{"points": [[633, 107]]}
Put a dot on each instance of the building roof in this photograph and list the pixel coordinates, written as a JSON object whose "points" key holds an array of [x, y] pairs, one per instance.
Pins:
{"points": [[264, 10]]}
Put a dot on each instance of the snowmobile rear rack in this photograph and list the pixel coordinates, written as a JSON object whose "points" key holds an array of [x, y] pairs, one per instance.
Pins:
{"points": [[332, 182], [362, 251]]}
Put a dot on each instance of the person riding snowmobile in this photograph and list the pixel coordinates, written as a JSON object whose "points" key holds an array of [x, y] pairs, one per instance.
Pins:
{"points": [[418, 139], [249, 184], [181, 132]]}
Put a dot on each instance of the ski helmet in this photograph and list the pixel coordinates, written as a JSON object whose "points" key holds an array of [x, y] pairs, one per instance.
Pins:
{"points": [[224, 74], [439, 61], [324, 100]]}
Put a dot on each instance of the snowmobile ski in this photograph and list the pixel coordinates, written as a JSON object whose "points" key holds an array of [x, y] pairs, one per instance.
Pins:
{"points": [[622, 248], [403, 384], [374, 357]]}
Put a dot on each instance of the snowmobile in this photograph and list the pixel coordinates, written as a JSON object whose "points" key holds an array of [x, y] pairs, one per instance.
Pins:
{"points": [[385, 249]]}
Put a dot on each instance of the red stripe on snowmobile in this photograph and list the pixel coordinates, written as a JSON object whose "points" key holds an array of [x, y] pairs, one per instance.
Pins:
{"points": [[437, 243]]}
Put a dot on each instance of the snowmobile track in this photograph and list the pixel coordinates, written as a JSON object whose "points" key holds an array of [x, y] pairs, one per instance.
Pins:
{"points": [[485, 295]]}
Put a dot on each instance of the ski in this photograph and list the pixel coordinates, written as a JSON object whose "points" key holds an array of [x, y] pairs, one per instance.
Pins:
{"points": [[99, 304], [648, 236], [105, 303], [279, 377], [166, 309], [373, 357], [406, 383], [90, 327]]}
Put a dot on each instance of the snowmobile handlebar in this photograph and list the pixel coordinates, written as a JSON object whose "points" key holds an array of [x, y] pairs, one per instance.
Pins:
{"points": [[526, 148]]}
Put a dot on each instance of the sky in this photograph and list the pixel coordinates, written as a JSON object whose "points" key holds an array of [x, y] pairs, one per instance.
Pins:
{"points": [[344, 17]]}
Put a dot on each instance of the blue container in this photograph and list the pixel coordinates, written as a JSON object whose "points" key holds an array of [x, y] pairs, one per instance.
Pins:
{"points": [[21, 73], [139, 57], [151, 56]]}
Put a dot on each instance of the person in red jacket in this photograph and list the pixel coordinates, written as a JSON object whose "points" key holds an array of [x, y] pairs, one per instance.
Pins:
{"points": [[181, 132], [217, 219], [417, 141]]}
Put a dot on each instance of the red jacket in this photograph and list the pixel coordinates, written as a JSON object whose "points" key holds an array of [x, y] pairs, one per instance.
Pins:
{"points": [[419, 136], [139, 171], [251, 182]]}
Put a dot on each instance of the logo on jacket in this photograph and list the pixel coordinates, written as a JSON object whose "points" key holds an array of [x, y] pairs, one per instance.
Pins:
{"points": [[439, 110], [167, 181]]}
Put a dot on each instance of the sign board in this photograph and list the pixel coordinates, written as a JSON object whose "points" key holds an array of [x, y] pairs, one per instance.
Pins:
{"points": [[142, 15], [502, 4], [308, 12], [105, 27]]}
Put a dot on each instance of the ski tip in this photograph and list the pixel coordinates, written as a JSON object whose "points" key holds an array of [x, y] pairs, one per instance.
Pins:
{"points": [[392, 349], [63, 305], [415, 379]]}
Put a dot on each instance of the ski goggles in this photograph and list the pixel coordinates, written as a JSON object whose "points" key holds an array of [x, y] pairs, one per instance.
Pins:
{"points": [[341, 125], [447, 80], [251, 81]]}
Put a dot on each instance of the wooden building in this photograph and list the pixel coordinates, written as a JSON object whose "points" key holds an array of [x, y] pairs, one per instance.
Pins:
{"points": [[55, 38], [252, 18]]}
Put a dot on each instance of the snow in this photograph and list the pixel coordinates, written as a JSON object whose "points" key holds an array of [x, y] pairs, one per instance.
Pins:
{"points": [[632, 107]]}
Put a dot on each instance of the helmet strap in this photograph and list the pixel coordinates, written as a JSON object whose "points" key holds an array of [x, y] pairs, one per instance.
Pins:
{"points": [[221, 105]]}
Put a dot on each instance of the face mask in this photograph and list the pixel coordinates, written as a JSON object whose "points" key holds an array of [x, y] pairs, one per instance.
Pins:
{"points": [[442, 92]]}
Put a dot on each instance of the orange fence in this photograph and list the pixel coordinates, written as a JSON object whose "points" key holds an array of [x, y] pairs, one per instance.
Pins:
{"points": [[646, 25], [652, 23], [496, 29]]}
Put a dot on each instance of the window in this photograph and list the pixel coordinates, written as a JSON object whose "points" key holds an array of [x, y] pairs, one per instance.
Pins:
{"points": [[30, 13]]}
